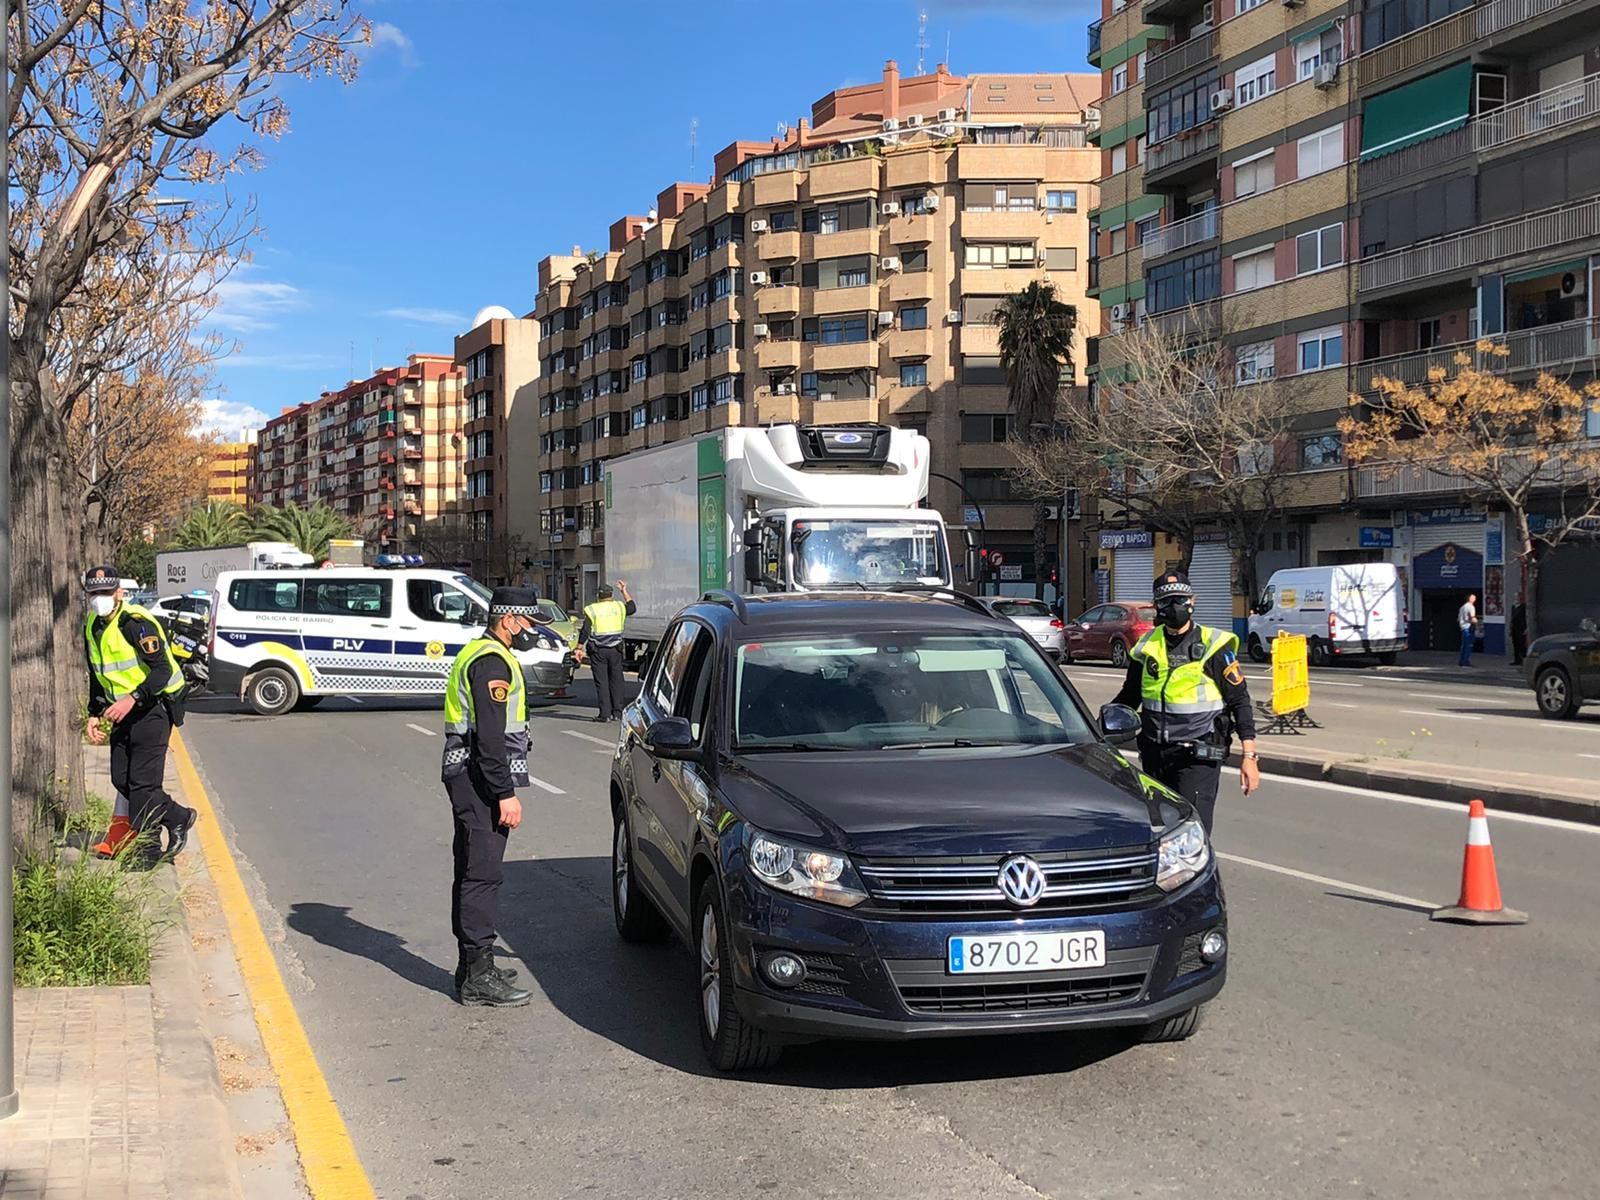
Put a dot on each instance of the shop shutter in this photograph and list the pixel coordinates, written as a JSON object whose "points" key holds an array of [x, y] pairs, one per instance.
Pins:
{"points": [[1211, 573], [1133, 574]]}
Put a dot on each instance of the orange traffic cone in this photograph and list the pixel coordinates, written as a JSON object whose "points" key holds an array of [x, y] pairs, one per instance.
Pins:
{"points": [[1480, 886], [120, 833]]}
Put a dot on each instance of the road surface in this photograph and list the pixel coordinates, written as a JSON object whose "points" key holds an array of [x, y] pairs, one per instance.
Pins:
{"points": [[1358, 1049]]}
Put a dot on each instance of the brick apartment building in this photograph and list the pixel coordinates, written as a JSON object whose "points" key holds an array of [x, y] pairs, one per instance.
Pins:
{"points": [[229, 470], [386, 451], [1363, 187], [847, 270]]}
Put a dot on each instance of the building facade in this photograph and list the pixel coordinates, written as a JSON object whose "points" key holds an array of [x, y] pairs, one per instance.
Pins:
{"points": [[386, 451], [228, 474], [1363, 188], [848, 270]]}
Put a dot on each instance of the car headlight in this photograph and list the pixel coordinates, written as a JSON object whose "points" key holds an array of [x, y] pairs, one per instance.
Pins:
{"points": [[1185, 852], [803, 870], [545, 642]]}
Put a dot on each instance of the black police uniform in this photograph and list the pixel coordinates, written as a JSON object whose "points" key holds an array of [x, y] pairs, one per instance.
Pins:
{"points": [[605, 659]]}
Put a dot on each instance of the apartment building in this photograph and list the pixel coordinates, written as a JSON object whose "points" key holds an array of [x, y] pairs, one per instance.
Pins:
{"points": [[386, 451], [1363, 188], [229, 469], [847, 270]]}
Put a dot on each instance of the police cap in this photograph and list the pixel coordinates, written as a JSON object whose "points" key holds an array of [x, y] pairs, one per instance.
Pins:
{"points": [[514, 601], [101, 579], [1173, 584], [604, 591]]}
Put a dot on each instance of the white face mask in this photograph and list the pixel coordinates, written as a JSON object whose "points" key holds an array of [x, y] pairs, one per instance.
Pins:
{"points": [[102, 605]]}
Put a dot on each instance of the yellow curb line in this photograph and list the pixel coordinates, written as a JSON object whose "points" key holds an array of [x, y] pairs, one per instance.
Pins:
{"points": [[327, 1155]]}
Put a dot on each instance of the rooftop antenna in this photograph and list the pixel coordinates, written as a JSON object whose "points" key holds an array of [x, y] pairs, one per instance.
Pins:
{"points": [[694, 137], [922, 38], [947, 47]]}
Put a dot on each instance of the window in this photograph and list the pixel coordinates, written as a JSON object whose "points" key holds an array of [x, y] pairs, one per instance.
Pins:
{"points": [[1312, 52], [1119, 79], [669, 667], [1321, 450], [1253, 270], [265, 595], [914, 317], [978, 370], [1119, 239], [1061, 258], [1000, 197], [780, 220], [1255, 458], [1321, 151], [808, 383], [347, 597], [1140, 60], [1255, 363], [913, 260], [914, 374], [985, 427], [1146, 228], [1319, 249], [1182, 107], [1321, 348], [433, 600], [838, 330], [988, 485], [1061, 201], [1245, 6], [913, 204], [1119, 158], [1255, 82], [1428, 333], [1385, 20], [983, 255], [1191, 280], [853, 276], [694, 693], [1254, 175], [639, 416]]}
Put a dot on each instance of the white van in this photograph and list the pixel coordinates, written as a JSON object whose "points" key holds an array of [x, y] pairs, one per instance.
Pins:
{"points": [[1347, 611], [290, 637]]}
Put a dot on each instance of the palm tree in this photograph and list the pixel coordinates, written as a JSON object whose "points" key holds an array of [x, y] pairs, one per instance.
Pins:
{"points": [[1036, 351], [310, 529], [214, 523]]}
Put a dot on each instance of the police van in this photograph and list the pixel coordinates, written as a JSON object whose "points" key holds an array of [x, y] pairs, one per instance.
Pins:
{"points": [[282, 639]]}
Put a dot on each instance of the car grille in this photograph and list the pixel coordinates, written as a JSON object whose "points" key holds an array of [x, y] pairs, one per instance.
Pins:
{"points": [[925, 987], [824, 975], [1189, 960], [1074, 882]]}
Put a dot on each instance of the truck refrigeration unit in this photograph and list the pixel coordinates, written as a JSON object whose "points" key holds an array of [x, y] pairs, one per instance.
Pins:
{"points": [[788, 508]]}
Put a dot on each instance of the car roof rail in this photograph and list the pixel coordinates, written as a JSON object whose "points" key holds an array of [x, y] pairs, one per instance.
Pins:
{"points": [[947, 594], [732, 599]]}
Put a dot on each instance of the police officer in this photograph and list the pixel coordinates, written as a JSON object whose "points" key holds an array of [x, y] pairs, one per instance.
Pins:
{"points": [[600, 641], [485, 761], [135, 683], [1187, 684]]}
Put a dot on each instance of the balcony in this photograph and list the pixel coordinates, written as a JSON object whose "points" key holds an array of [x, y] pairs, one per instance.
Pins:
{"points": [[778, 247], [1094, 43], [845, 356], [1178, 60], [1014, 224], [1460, 254], [913, 230], [1160, 12], [1447, 37], [1168, 160], [1385, 480], [1546, 347], [1180, 235], [777, 355], [1562, 109], [827, 301], [777, 301]]}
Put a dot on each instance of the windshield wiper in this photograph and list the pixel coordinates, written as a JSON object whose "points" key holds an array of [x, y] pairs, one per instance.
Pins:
{"points": [[951, 744], [785, 747]]}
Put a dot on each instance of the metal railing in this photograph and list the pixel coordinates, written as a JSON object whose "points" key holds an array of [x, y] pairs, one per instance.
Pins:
{"points": [[1560, 106], [1448, 35], [1191, 143], [1465, 251], [1201, 227], [1526, 350], [1094, 39], [1395, 479], [1185, 56]]}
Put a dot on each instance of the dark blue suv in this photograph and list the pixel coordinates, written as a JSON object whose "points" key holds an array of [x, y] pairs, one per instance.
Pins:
{"points": [[888, 816]]}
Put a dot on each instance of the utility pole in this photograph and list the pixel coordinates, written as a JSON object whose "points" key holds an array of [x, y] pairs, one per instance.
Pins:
{"points": [[8, 1071]]}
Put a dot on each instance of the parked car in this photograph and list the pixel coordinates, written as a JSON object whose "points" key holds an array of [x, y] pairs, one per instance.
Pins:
{"points": [[887, 816], [197, 602], [1109, 631], [1034, 618], [1351, 611], [1564, 670], [553, 616]]}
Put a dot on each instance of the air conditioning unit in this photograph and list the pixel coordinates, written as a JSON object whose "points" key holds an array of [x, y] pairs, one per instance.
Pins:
{"points": [[759, 329], [757, 278], [1221, 100], [947, 114], [885, 317], [784, 389], [758, 226], [1121, 314], [930, 202], [1327, 74], [1572, 283], [953, 317], [889, 208], [888, 264], [914, 120], [1293, 3], [945, 130], [890, 124]]}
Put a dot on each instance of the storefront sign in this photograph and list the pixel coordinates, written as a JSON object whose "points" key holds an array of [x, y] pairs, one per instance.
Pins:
{"points": [[1494, 542], [1448, 568], [1127, 539], [1447, 516], [1377, 537]]}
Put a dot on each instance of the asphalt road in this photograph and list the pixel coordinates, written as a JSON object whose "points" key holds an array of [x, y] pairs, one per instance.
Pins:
{"points": [[1358, 1049]]}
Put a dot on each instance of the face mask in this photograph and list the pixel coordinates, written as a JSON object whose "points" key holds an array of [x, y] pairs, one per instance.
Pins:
{"points": [[1175, 614], [525, 639], [102, 606]]}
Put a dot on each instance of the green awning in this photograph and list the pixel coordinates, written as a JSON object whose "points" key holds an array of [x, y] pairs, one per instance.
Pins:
{"points": [[1427, 108], [1314, 31]]}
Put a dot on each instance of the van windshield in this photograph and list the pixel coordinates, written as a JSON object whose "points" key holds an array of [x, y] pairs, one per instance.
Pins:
{"points": [[830, 554], [472, 585]]}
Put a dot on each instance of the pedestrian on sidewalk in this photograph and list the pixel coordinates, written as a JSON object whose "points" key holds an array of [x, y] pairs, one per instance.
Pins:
{"points": [[1467, 622], [485, 761], [600, 642], [1519, 633], [136, 684]]}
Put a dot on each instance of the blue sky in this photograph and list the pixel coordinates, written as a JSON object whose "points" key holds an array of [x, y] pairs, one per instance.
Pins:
{"points": [[483, 135]]}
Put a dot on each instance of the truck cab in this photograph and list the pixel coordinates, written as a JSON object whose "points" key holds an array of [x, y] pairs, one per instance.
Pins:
{"points": [[830, 549]]}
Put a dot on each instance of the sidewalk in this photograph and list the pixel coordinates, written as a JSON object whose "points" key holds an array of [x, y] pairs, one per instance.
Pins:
{"points": [[1440, 666]]}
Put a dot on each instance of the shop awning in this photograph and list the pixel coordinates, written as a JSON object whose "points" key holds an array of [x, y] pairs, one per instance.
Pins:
{"points": [[1428, 108]]}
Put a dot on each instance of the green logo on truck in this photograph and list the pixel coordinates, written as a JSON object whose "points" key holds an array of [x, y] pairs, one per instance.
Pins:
{"points": [[713, 499]]}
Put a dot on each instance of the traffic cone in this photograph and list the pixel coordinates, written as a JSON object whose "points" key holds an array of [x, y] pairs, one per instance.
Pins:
{"points": [[120, 833], [1480, 886]]}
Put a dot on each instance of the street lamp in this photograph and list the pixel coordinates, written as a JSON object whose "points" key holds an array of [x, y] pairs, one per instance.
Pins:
{"points": [[983, 532]]}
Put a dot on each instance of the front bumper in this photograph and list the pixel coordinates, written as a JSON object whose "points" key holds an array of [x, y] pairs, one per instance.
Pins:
{"points": [[546, 677], [884, 977]]}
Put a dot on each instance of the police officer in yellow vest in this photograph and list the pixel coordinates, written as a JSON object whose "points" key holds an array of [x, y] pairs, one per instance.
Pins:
{"points": [[1187, 684], [485, 761], [600, 641], [136, 684]]}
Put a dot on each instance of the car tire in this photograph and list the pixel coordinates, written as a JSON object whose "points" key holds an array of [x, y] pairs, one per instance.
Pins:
{"points": [[731, 1043], [636, 916], [1174, 1029], [1320, 653], [306, 703], [1119, 653], [1065, 658], [1552, 688], [1257, 650], [1388, 658], [273, 691]]}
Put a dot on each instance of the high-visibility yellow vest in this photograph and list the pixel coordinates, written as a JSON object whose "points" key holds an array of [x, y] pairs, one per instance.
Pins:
{"points": [[461, 718], [1180, 703], [114, 660], [606, 619]]}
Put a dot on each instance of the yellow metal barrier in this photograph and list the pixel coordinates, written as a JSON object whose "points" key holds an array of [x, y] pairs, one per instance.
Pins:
{"points": [[1291, 676]]}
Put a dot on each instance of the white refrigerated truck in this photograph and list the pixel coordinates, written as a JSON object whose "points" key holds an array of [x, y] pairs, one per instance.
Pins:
{"points": [[187, 570], [791, 508]]}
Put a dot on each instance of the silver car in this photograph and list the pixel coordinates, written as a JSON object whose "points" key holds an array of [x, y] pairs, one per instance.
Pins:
{"points": [[1035, 618]]}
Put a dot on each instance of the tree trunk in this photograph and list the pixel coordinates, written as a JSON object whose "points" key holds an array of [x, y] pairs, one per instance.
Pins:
{"points": [[1041, 525], [1528, 560], [1185, 551]]}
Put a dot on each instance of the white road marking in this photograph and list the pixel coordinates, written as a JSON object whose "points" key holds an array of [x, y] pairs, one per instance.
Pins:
{"points": [[1336, 704], [1326, 881], [1589, 756], [1417, 712], [1434, 696], [608, 743], [607, 753], [421, 730], [1316, 683], [548, 787]]}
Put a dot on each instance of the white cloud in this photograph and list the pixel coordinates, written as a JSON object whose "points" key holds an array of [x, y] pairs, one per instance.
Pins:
{"points": [[426, 316], [251, 305], [391, 37], [291, 361], [228, 417]]}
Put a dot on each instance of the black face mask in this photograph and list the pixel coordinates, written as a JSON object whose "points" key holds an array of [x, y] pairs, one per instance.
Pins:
{"points": [[1175, 613], [527, 639]]}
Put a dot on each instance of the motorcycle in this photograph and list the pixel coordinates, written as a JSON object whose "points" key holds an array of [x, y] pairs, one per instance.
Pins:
{"points": [[188, 634]]}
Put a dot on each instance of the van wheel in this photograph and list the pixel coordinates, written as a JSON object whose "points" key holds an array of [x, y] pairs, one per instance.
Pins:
{"points": [[1321, 653], [1174, 1029], [307, 702], [731, 1043], [1554, 692], [272, 691], [1388, 658], [1119, 653], [1258, 652]]}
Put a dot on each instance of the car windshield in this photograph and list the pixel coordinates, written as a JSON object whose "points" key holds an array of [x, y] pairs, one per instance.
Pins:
{"points": [[1021, 608], [477, 589], [881, 690], [871, 553], [548, 612]]}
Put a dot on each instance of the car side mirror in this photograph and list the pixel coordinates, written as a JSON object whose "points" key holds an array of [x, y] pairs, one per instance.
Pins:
{"points": [[1587, 625], [472, 615], [752, 537], [671, 738], [1119, 724]]}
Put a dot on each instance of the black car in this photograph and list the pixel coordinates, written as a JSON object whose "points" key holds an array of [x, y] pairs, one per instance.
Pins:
{"points": [[890, 817], [1563, 669]]}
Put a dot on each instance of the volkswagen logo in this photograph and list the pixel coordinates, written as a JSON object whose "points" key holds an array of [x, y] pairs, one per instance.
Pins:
{"points": [[1021, 881]]}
